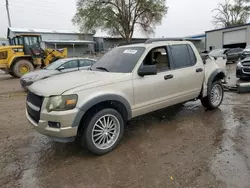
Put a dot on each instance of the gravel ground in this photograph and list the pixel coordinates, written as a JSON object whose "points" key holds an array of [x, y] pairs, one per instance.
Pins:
{"points": [[181, 146]]}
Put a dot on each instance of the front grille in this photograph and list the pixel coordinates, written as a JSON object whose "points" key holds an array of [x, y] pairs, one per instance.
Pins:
{"points": [[246, 63], [34, 104], [246, 70]]}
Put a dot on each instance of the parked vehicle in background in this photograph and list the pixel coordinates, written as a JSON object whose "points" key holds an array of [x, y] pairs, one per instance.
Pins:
{"points": [[243, 69], [58, 67], [234, 54], [126, 82], [219, 53], [24, 54], [247, 49], [245, 54]]}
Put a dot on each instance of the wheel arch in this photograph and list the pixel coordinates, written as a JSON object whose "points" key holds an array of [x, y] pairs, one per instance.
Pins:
{"points": [[216, 75], [96, 104], [16, 58]]}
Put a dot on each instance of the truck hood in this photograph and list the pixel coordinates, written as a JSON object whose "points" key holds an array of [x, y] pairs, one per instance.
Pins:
{"points": [[59, 84]]}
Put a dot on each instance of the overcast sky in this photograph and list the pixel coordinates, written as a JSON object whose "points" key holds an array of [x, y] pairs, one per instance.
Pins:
{"points": [[185, 17]]}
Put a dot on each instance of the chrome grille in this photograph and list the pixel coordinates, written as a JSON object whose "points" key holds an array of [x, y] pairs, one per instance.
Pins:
{"points": [[34, 104]]}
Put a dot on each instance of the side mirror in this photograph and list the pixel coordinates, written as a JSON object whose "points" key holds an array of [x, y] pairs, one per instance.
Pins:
{"points": [[60, 68], [147, 70]]}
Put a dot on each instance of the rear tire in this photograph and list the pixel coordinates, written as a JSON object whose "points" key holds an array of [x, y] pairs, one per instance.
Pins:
{"points": [[215, 96], [22, 67], [103, 132]]}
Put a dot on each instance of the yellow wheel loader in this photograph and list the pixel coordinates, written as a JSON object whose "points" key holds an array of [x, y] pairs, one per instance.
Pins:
{"points": [[25, 54]]}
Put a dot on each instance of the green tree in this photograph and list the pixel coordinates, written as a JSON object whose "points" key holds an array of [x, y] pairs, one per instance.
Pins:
{"points": [[231, 13], [120, 17]]}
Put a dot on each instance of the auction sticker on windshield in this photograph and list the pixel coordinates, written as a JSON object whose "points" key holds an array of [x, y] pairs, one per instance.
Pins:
{"points": [[130, 51]]}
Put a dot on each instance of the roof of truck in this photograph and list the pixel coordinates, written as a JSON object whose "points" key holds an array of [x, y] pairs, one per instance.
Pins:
{"points": [[157, 43]]}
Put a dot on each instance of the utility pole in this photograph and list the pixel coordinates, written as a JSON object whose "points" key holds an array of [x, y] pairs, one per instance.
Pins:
{"points": [[8, 12]]}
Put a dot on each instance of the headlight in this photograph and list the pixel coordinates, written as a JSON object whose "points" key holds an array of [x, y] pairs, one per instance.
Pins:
{"points": [[62, 102], [239, 65]]}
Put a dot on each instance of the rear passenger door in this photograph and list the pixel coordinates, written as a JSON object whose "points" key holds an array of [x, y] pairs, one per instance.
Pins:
{"points": [[85, 63], [188, 71]]}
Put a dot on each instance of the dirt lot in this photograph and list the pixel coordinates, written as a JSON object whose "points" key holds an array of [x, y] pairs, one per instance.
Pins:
{"points": [[182, 146]]}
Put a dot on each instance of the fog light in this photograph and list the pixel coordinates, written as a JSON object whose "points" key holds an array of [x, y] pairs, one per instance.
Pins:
{"points": [[54, 124]]}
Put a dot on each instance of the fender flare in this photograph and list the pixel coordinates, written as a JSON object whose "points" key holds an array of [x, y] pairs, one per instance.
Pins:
{"points": [[212, 76], [96, 100], [13, 59]]}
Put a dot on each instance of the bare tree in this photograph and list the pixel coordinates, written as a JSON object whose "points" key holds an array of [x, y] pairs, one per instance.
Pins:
{"points": [[231, 13], [120, 17]]}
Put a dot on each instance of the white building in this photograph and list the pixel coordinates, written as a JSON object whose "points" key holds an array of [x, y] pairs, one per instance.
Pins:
{"points": [[78, 44], [230, 37]]}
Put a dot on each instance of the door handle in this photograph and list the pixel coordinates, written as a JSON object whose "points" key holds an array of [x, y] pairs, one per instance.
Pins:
{"points": [[167, 77], [199, 70]]}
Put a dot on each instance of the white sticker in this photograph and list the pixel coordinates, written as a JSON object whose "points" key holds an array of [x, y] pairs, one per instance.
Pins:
{"points": [[130, 52]]}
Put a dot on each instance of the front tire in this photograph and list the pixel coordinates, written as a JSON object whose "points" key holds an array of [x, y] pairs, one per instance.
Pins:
{"points": [[103, 132], [215, 96], [22, 67]]}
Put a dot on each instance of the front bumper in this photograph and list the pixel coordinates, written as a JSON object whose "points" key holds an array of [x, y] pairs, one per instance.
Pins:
{"points": [[66, 133]]}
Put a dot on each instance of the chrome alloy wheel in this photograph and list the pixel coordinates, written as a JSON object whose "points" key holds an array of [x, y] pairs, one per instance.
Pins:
{"points": [[106, 131], [216, 95]]}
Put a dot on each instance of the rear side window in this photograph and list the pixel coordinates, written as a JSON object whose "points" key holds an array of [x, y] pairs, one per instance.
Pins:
{"points": [[182, 56], [192, 55]]}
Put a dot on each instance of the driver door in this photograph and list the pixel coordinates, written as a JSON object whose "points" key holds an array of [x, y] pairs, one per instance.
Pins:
{"points": [[153, 92]]}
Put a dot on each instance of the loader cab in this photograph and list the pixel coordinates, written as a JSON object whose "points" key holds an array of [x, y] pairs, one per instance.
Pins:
{"points": [[31, 44]]}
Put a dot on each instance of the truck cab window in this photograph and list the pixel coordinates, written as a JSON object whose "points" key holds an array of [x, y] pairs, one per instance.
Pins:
{"points": [[30, 41], [182, 57], [158, 57]]}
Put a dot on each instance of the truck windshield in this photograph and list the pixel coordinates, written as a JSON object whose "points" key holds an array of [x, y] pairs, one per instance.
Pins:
{"points": [[121, 60], [30, 40]]}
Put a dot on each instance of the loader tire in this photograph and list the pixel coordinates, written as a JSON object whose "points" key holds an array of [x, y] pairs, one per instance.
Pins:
{"points": [[12, 74], [22, 67]]}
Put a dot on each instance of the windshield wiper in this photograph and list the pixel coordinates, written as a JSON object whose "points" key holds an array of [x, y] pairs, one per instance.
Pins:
{"points": [[102, 68]]}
